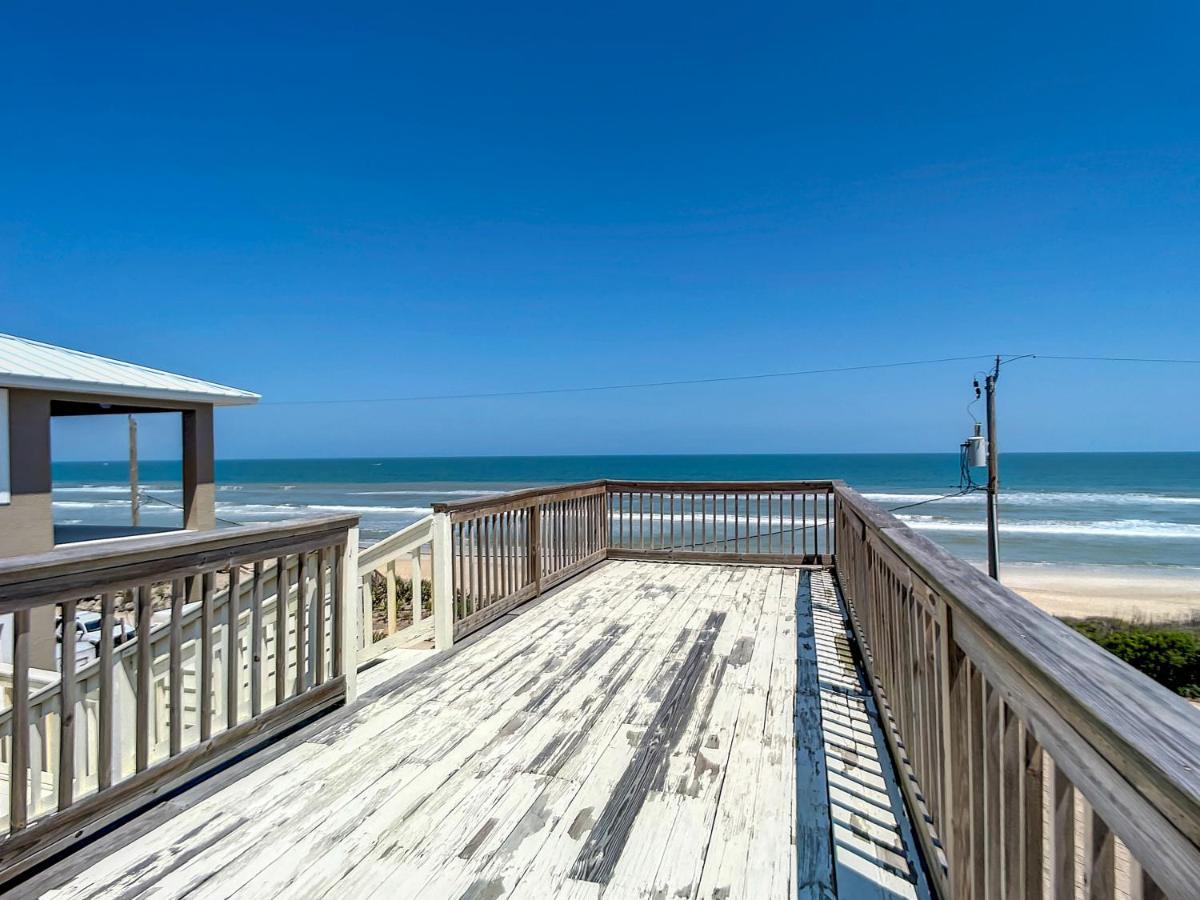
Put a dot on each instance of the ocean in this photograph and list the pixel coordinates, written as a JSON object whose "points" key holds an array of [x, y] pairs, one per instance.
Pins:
{"points": [[1132, 509]]}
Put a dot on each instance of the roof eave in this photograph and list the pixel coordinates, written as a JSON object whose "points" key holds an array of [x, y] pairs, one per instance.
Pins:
{"points": [[69, 386]]}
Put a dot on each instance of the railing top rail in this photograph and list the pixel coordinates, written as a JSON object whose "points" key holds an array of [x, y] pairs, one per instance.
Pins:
{"points": [[403, 541], [718, 486], [526, 496], [1147, 733], [515, 499], [40, 577]]}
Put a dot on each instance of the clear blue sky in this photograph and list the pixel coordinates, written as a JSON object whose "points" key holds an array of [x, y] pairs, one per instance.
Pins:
{"points": [[335, 200]]}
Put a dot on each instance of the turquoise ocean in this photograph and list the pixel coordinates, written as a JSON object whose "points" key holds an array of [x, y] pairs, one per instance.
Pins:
{"points": [[1140, 509]]}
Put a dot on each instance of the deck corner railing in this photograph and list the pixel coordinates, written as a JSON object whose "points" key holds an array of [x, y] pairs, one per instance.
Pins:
{"points": [[504, 550], [389, 570], [259, 634], [1033, 762]]}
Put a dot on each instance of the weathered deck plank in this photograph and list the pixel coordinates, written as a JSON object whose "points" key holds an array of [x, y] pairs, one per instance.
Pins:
{"points": [[633, 735]]}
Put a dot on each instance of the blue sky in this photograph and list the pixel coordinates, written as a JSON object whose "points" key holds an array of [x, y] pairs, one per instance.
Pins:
{"points": [[329, 201]]}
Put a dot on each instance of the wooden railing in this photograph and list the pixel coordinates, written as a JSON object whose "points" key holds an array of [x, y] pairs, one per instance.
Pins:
{"points": [[1030, 758], [505, 550], [789, 521], [386, 571], [46, 692], [287, 656]]}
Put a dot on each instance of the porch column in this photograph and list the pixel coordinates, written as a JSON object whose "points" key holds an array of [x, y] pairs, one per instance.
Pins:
{"points": [[199, 497]]}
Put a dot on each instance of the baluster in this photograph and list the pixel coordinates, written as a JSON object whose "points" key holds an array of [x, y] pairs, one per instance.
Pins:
{"points": [[319, 617], [456, 569], [1141, 885], [1062, 871], [144, 679], [301, 614], [256, 640], [175, 664], [1032, 802], [104, 747], [414, 567], [828, 543], [281, 621], [991, 778], [66, 714], [233, 671], [206, 686], [817, 547], [338, 579], [18, 773], [955, 697], [477, 578], [485, 575], [389, 581], [1011, 813], [1100, 858]]}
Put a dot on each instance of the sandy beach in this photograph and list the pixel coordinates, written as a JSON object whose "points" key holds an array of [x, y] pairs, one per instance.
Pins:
{"points": [[1126, 592]]}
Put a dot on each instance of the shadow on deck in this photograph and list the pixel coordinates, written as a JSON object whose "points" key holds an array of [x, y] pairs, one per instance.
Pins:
{"points": [[647, 730]]}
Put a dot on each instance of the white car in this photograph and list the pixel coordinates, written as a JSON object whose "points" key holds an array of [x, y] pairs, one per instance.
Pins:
{"points": [[87, 634]]}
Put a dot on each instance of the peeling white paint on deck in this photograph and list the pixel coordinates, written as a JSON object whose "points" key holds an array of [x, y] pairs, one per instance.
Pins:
{"points": [[634, 735]]}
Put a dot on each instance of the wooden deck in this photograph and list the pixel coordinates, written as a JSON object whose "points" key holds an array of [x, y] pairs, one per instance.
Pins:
{"points": [[648, 730]]}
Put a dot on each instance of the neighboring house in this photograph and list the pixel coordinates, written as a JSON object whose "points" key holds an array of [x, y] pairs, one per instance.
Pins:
{"points": [[39, 382]]}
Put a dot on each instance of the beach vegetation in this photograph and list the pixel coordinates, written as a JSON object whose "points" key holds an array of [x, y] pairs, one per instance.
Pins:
{"points": [[1169, 652]]}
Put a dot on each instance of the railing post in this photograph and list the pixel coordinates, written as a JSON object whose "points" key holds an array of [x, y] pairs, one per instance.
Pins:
{"points": [[443, 583], [348, 614], [534, 547]]}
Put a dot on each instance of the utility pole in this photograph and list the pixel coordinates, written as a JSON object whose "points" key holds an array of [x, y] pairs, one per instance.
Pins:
{"points": [[134, 493], [993, 481]]}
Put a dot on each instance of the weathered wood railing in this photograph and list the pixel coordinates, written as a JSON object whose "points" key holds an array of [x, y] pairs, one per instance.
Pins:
{"points": [[505, 550], [1031, 759], [790, 521], [386, 571], [45, 699], [309, 624]]}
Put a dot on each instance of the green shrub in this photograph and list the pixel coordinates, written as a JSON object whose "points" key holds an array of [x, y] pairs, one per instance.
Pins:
{"points": [[1170, 654]]}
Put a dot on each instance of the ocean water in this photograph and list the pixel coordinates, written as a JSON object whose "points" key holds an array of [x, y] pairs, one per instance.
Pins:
{"points": [[1139, 509]]}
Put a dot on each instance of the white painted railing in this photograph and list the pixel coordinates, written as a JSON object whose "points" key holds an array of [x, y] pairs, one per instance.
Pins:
{"points": [[45, 699], [215, 679], [394, 609]]}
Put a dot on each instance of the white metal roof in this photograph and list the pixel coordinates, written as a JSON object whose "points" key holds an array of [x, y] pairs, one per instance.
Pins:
{"points": [[32, 364]]}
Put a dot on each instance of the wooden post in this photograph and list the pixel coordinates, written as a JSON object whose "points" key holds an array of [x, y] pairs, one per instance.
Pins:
{"points": [[414, 566], [66, 719], [135, 498], [18, 760], [993, 481], [443, 583], [199, 500], [534, 544], [347, 614]]}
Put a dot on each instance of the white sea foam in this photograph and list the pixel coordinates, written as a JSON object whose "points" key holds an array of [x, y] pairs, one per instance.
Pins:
{"points": [[368, 510], [426, 493], [1122, 528], [1039, 498], [235, 509], [93, 489]]}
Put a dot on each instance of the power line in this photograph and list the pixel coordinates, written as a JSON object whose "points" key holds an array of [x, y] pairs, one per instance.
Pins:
{"points": [[758, 376], [628, 385], [148, 496], [1136, 359]]}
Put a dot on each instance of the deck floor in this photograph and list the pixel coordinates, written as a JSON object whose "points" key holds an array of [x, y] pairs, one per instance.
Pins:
{"points": [[639, 733]]}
